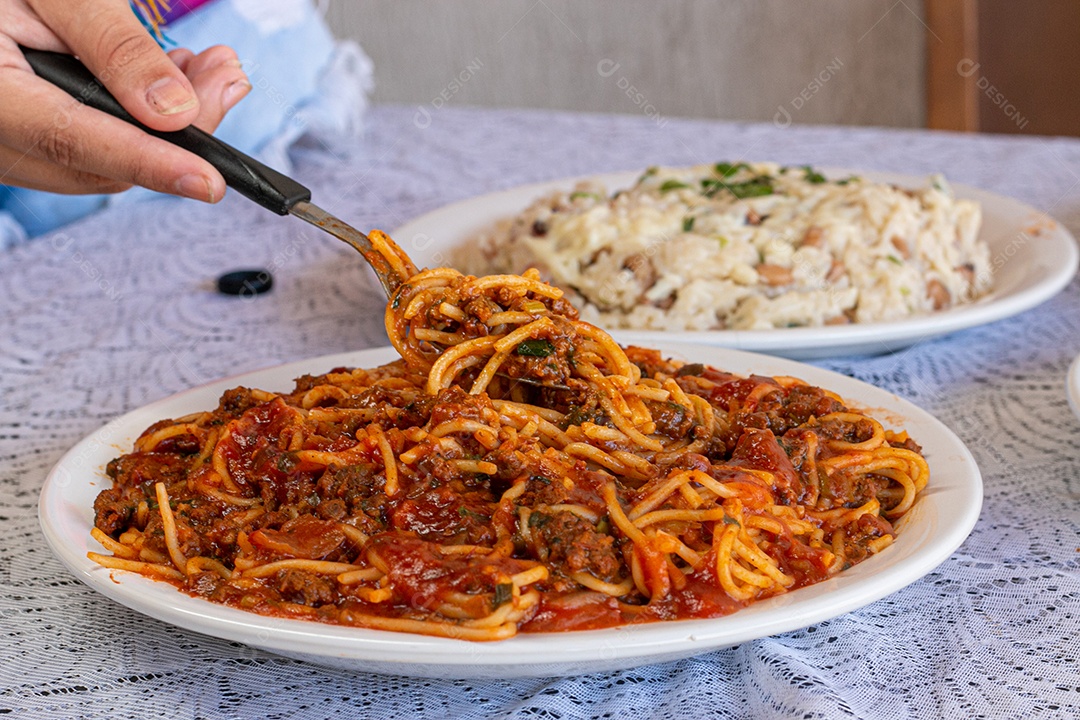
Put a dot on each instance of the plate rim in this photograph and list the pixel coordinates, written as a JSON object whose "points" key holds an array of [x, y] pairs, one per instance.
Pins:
{"points": [[385, 651], [1072, 386], [818, 342]]}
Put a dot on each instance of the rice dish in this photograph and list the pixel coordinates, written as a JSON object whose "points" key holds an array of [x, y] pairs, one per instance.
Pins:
{"points": [[745, 246]]}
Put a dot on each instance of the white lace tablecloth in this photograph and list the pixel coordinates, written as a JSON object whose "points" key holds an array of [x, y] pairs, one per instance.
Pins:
{"points": [[119, 310]]}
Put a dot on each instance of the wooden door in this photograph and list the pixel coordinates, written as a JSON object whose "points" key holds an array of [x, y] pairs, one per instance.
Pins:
{"points": [[1002, 66]]}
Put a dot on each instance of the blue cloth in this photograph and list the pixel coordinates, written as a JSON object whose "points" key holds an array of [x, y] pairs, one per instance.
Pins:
{"points": [[303, 81]]}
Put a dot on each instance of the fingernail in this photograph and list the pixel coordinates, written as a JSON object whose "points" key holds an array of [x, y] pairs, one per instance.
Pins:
{"points": [[196, 187], [169, 97], [234, 92]]}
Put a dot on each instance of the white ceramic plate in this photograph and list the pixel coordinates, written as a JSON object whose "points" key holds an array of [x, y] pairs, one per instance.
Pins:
{"points": [[1072, 383], [931, 531], [1032, 256]]}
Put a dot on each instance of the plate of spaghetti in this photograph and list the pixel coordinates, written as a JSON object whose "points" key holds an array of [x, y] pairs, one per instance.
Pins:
{"points": [[508, 492]]}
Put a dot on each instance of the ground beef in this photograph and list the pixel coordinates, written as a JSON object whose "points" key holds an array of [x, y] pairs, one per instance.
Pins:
{"points": [[142, 470], [672, 420], [235, 403], [571, 544], [355, 492], [512, 463], [908, 444], [803, 402], [305, 588], [376, 397], [866, 529], [113, 511], [545, 359]]}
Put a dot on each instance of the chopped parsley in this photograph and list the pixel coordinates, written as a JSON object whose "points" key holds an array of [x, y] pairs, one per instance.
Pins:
{"points": [[504, 592], [688, 224], [895, 260], [467, 513], [578, 415], [537, 347], [813, 176]]}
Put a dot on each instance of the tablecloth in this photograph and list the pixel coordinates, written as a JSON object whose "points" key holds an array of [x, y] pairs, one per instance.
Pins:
{"points": [[120, 309]]}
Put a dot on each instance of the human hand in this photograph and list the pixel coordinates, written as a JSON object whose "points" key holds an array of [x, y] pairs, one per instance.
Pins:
{"points": [[50, 141]]}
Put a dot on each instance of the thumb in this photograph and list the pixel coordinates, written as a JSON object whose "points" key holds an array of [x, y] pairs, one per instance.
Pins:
{"points": [[113, 44]]}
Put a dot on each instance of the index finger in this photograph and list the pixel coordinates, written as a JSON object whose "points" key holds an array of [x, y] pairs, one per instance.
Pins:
{"points": [[109, 39]]}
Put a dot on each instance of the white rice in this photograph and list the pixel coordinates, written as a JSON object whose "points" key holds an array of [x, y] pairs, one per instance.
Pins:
{"points": [[680, 251]]}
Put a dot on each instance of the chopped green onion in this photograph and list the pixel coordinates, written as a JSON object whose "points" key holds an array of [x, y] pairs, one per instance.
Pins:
{"points": [[535, 348], [649, 172], [752, 188], [582, 194], [756, 187], [709, 186], [727, 169], [669, 185], [688, 224]]}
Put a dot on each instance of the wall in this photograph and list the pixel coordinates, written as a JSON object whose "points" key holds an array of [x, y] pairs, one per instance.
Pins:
{"points": [[811, 61]]}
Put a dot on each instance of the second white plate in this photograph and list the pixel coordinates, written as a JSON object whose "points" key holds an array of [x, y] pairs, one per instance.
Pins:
{"points": [[1033, 257]]}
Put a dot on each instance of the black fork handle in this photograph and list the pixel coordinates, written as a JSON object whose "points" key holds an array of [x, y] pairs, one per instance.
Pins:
{"points": [[274, 191]]}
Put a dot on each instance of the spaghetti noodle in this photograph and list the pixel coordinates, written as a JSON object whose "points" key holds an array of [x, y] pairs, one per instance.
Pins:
{"points": [[516, 470]]}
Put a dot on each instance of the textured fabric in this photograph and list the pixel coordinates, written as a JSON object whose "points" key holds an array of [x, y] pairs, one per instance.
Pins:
{"points": [[118, 310], [303, 82]]}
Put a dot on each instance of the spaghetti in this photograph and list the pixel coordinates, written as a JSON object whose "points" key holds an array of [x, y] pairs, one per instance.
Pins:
{"points": [[516, 470]]}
